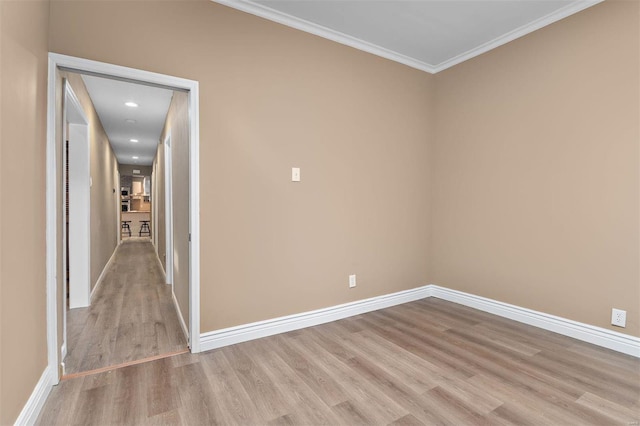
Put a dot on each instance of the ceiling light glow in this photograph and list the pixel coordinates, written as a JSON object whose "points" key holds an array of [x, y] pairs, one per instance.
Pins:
{"points": [[131, 104], [130, 121], [134, 140], [135, 157]]}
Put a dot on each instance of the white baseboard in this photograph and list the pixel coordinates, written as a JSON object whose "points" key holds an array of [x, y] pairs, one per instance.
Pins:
{"points": [[256, 330], [588, 333], [160, 265], [31, 409], [104, 272], [619, 342], [180, 317], [228, 336]]}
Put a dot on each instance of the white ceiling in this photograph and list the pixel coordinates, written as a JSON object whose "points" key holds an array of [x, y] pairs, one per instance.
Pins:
{"points": [[109, 97], [431, 35]]}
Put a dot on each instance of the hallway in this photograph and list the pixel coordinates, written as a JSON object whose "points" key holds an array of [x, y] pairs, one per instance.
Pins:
{"points": [[131, 317]]}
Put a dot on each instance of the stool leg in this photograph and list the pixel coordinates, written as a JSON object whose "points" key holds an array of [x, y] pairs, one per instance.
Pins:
{"points": [[126, 228], [144, 228]]}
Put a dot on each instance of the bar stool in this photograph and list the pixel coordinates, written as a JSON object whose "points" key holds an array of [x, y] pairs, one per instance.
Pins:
{"points": [[144, 228], [125, 227]]}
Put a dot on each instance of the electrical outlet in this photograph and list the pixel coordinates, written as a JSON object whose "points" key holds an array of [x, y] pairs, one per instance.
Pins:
{"points": [[618, 317], [352, 281]]}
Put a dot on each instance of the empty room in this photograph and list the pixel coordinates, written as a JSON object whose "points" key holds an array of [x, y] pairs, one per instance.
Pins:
{"points": [[379, 212]]}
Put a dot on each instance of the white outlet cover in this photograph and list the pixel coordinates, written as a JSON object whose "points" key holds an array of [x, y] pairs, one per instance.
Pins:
{"points": [[352, 281], [618, 317]]}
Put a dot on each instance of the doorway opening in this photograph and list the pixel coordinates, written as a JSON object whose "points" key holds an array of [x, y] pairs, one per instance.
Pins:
{"points": [[136, 203], [145, 194]]}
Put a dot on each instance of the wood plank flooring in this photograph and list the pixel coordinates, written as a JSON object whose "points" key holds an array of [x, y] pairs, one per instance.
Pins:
{"points": [[131, 316], [426, 362]]}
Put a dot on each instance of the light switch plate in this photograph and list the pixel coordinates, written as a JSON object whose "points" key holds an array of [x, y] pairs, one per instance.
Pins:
{"points": [[295, 174]]}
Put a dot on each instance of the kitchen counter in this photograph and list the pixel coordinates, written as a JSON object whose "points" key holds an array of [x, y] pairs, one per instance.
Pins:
{"points": [[140, 202], [135, 218]]}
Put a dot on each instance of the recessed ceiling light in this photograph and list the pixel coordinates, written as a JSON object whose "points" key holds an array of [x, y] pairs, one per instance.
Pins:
{"points": [[131, 104], [130, 121], [134, 157], [134, 140]]}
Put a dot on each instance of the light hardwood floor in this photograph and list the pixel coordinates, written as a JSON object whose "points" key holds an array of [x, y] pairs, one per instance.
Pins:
{"points": [[131, 316], [425, 362]]}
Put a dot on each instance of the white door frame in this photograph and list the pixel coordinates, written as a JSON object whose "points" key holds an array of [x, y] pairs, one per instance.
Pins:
{"points": [[118, 208], [154, 209], [77, 133], [57, 61], [79, 200], [168, 211]]}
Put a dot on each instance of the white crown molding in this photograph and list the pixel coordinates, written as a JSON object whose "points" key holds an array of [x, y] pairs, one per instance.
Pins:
{"points": [[549, 19], [339, 37], [257, 330], [619, 342], [36, 401], [324, 32]]}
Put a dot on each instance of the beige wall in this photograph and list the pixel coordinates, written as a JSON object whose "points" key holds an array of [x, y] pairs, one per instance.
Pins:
{"points": [[23, 88], [534, 198], [127, 170], [536, 167], [177, 127], [272, 98], [158, 204], [105, 188]]}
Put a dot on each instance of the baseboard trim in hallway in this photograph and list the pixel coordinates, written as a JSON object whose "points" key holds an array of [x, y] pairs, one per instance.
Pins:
{"points": [[103, 273], [160, 264], [183, 325], [123, 365]]}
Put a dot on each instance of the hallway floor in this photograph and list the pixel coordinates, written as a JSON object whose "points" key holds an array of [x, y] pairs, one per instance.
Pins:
{"points": [[131, 316]]}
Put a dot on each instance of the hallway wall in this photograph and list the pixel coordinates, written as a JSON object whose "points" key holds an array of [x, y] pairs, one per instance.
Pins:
{"points": [[177, 125], [273, 98], [127, 169], [23, 114], [159, 200]]}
